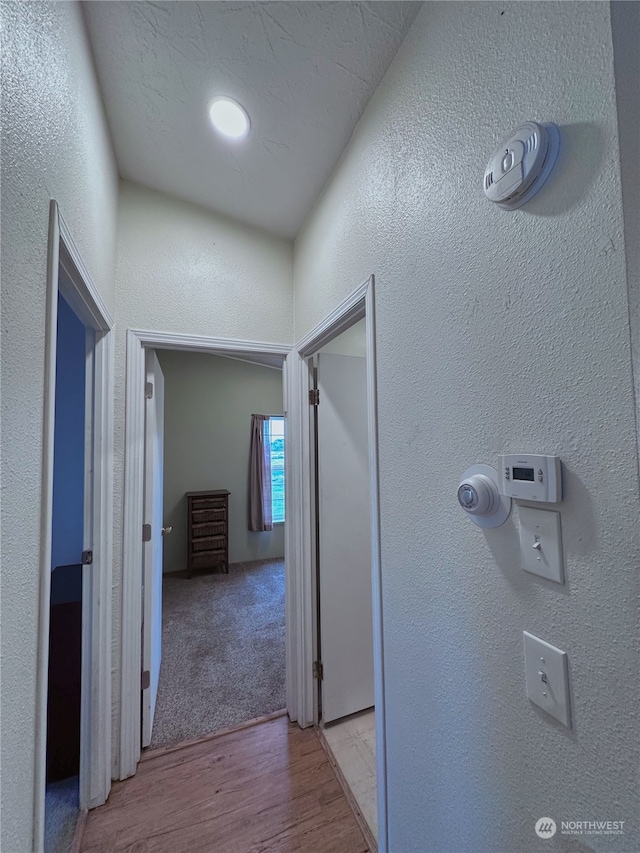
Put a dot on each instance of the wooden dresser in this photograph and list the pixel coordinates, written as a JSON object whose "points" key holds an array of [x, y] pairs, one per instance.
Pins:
{"points": [[208, 530]]}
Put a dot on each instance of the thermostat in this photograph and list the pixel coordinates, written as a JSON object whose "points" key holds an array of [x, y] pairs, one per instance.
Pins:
{"points": [[529, 477], [521, 164]]}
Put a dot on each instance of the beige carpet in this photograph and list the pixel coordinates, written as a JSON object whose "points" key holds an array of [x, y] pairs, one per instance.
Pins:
{"points": [[223, 655]]}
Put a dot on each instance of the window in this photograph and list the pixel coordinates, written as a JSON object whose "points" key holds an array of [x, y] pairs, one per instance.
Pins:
{"points": [[276, 444]]}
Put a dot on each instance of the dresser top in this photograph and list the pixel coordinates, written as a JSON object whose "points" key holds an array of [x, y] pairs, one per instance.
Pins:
{"points": [[207, 492]]}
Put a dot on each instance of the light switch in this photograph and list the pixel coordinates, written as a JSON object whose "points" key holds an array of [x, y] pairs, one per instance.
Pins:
{"points": [[541, 542], [547, 675]]}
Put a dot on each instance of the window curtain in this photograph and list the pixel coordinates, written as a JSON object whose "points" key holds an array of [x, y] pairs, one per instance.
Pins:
{"points": [[260, 516]]}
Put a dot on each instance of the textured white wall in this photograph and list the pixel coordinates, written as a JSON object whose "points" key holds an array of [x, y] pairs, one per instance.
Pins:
{"points": [[183, 269], [207, 425], [497, 331], [55, 144]]}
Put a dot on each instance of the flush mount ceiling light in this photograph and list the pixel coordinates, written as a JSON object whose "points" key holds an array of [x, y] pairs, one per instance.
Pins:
{"points": [[229, 118]]}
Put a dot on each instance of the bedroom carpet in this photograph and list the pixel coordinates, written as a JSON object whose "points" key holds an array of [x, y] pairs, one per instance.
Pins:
{"points": [[61, 812], [223, 651]]}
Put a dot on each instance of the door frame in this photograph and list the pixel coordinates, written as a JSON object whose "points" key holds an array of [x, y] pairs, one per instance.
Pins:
{"points": [[359, 304], [139, 340], [79, 290]]}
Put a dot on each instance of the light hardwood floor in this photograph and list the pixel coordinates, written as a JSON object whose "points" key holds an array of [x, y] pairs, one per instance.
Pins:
{"points": [[352, 742], [256, 790]]}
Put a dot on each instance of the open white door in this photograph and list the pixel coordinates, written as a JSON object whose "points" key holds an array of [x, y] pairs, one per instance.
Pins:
{"points": [[152, 549], [346, 624]]}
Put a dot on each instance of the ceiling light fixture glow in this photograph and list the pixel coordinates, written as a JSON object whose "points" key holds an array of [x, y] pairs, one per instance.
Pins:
{"points": [[229, 118]]}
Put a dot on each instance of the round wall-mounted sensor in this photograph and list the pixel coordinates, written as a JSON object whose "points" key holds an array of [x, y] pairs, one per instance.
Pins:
{"points": [[521, 164], [479, 497]]}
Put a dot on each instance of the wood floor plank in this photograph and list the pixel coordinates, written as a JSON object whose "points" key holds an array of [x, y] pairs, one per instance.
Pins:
{"points": [[161, 750], [257, 790]]}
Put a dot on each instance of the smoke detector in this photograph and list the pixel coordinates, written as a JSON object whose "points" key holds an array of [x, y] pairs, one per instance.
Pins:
{"points": [[521, 164]]}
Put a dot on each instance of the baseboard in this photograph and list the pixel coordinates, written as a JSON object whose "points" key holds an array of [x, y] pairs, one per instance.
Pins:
{"points": [[355, 808], [256, 721], [76, 844]]}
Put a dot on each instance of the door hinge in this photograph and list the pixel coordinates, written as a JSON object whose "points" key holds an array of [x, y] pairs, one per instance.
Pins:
{"points": [[146, 533], [148, 390], [314, 397], [87, 558], [145, 679], [318, 670]]}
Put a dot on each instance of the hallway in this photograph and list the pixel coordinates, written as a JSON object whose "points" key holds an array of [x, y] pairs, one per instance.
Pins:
{"points": [[265, 788], [367, 175]]}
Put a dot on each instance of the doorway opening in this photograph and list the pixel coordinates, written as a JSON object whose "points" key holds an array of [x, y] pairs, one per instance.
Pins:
{"points": [[341, 647], [65, 616], [171, 345], [343, 565], [213, 576], [72, 770]]}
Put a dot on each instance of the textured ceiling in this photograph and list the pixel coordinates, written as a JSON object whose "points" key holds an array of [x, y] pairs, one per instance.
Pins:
{"points": [[303, 71]]}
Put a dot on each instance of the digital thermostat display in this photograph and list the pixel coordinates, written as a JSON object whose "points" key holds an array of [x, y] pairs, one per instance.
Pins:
{"points": [[523, 474], [531, 477]]}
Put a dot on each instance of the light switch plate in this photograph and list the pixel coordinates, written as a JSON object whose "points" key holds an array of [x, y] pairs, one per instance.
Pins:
{"points": [[541, 542], [547, 677]]}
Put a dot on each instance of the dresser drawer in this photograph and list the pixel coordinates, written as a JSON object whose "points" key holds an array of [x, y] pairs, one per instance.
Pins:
{"points": [[209, 543], [209, 528], [209, 503], [202, 515]]}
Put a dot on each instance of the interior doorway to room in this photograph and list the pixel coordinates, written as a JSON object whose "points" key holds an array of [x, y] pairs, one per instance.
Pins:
{"points": [[69, 522], [73, 733], [213, 590], [344, 564]]}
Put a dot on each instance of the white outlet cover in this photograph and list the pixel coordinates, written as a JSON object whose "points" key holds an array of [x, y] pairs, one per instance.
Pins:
{"points": [[541, 542], [547, 677]]}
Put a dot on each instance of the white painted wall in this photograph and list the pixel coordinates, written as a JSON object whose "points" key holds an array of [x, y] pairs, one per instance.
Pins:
{"points": [[209, 401], [55, 144], [69, 440], [496, 331], [183, 269]]}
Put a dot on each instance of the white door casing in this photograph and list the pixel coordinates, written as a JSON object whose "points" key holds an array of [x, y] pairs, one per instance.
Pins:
{"points": [[346, 629], [152, 549], [359, 304], [139, 341], [300, 600], [79, 290]]}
